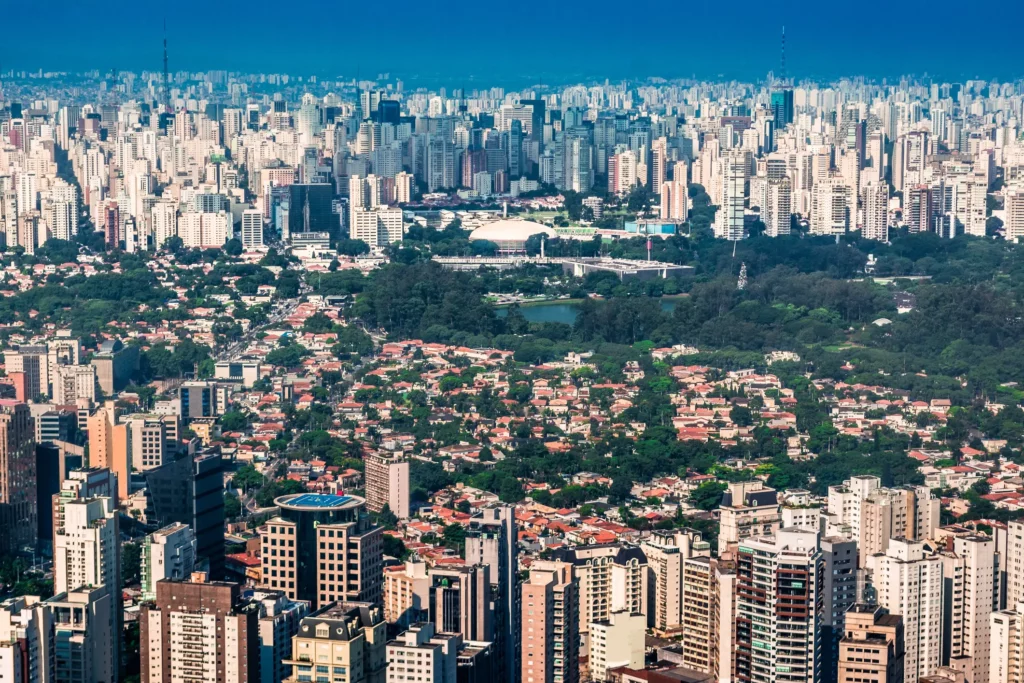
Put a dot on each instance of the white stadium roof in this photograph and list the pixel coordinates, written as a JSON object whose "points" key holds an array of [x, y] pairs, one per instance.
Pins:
{"points": [[510, 231]]}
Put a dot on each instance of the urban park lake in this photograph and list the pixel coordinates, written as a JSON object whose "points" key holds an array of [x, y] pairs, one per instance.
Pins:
{"points": [[561, 311]]}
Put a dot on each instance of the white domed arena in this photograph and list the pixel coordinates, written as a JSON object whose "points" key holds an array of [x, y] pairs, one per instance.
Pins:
{"points": [[511, 235]]}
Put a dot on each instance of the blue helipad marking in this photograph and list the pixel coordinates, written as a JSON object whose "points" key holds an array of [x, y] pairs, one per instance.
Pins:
{"points": [[319, 500]]}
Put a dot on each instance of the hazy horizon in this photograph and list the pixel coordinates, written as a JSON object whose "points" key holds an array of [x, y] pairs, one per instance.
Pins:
{"points": [[483, 45]]}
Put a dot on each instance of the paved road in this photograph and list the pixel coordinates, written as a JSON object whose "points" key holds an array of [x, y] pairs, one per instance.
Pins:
{"points": [[280, 312], [285, 310]]}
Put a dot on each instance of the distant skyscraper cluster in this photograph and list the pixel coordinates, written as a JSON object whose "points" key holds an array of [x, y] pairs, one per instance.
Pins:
{"points": [[318, 158], [867, 587]]}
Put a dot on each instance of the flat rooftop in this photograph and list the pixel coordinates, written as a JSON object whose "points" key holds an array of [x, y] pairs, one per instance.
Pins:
{"points": [[625, 264], [317, 500]]}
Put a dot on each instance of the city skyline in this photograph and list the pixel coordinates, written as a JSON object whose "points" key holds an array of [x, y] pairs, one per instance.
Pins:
{"points": [[347, 379]]}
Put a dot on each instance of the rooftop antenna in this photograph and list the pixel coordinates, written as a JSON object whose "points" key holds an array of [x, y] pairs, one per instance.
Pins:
{"points": [[166, 93]]}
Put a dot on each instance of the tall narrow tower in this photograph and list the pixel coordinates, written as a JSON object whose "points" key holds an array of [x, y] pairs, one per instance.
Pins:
{"points": [[782, 92], [166, 92], [781, 73]]}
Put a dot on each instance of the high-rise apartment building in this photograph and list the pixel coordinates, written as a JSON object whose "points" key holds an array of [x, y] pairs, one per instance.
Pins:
{"points": [[885, 514], [658, 166], [1006, 653], [492, 539], [831, 203], [252, 229], [279, 622], [63, 210], [423, 654], [1014, 563], [972, 193], [700, 609], [100, 425], [205, 230], [779, 607], [550, 619], [377, 227], [969, 600], [63, 350], [1013, 226], [74, 382], [909, 584], [56, 461], [622, 176], [350, 639], [748, 509], [777, 214], [167, 553], [871, 650], [86, 635], [675, 198], [440, 163], [87, 555], [29, 366], [403, 187], [150, 440], [18, 505], [729, 221], [82, 484], [616, 642], [725, 616], [199, 631], [322, 549], [910, 513], [612, 578], [366, 192], [26, 645], [839, 590], [844, 504], [87, 546], [666, 552], [919, 208], [407, 593], [578, 165], [66, 638], [910, 156], [387, 483], [876, 211], [860, 509], [164, 222]]}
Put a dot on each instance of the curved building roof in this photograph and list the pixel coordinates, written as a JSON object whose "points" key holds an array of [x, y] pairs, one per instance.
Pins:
{"points": [[510, 231]]}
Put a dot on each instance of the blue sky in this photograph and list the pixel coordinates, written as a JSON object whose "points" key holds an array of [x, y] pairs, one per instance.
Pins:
{"points": [[516, 43]]}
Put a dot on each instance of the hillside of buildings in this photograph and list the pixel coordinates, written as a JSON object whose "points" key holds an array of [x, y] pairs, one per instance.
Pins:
{"points": [[335, 381]]}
